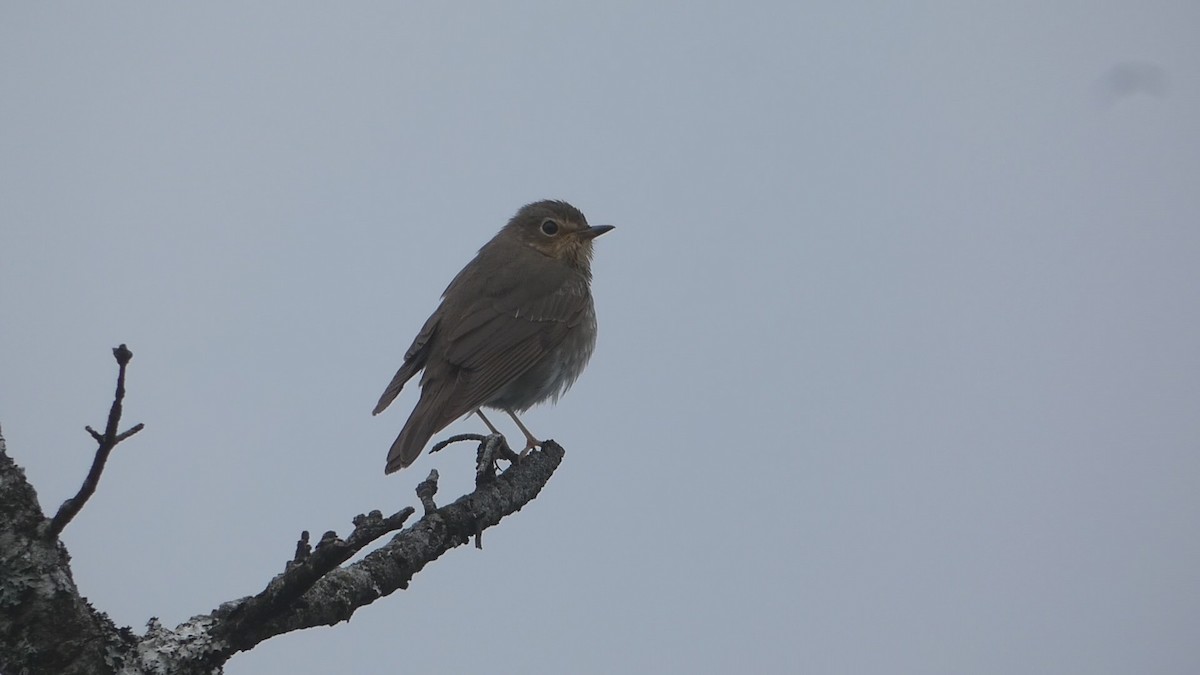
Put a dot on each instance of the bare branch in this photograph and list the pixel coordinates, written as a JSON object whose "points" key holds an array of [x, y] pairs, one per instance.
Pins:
{"points": [[306, 567], [303, 550], [492, 448], [339, 593], [426, 489], [478, 438], [107, 441], [129, 432]]}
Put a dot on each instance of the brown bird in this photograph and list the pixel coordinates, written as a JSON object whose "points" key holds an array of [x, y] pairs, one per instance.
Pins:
{"points": [[515, 327]]}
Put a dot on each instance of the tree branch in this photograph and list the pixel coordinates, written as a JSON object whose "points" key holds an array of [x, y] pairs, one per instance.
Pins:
{"points": [[46, 626], [107, 441], [306, 568], [337, 595]]}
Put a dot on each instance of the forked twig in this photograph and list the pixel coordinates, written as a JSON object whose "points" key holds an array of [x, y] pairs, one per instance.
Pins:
{"points": [[107, 441]]}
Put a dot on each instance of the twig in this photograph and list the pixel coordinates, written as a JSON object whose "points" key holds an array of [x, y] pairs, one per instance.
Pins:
{"points": [[303, 550], [492, 448], [426, 489], [107, 441], [308, 566], [478, 438]]}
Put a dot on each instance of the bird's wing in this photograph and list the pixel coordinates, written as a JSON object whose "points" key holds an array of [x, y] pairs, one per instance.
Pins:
{"points": [[494, 342], [414, 360]]}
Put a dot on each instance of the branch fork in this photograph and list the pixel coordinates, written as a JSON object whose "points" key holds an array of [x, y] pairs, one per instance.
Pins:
{"points": [[106, 442]]}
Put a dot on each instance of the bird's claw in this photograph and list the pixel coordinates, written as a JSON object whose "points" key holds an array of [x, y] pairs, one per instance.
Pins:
{"points": [[530, 444]]}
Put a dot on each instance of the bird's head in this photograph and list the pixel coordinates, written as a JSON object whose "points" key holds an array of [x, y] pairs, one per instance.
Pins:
{"points": [[557, 230]]}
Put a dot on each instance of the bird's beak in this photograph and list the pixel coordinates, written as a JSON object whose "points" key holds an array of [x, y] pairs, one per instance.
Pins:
{"points": [[595, 231]]}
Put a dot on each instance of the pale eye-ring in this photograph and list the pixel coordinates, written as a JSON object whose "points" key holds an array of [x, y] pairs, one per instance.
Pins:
{"points": [[549, 227]]}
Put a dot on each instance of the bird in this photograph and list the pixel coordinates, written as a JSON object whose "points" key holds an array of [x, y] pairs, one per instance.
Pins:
{"points": [[515, 327]]}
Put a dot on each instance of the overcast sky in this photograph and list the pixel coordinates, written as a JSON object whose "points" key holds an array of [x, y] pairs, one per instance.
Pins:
{"points": [[899, 355]]}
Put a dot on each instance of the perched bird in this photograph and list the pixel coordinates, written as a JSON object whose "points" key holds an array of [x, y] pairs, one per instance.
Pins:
{"points": [[515, 327]]}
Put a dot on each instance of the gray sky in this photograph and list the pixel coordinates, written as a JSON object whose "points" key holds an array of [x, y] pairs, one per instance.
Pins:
{"points": [[897, 370]]}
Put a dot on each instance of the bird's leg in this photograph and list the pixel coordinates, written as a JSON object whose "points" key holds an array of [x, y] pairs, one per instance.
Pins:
{"points": [[530, 441], [479, 411], [491, 448]]}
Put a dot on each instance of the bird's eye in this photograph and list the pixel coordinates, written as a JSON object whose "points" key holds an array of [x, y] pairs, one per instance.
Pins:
{"points": [[549, 227]]}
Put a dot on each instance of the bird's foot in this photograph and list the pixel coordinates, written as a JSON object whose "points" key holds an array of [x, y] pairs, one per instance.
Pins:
{"points": [[492, 449], [495, 447], [530, 441], [530, 444]]}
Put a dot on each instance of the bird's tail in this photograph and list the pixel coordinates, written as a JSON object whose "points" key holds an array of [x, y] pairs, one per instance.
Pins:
{"points": [[422, 424]]}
